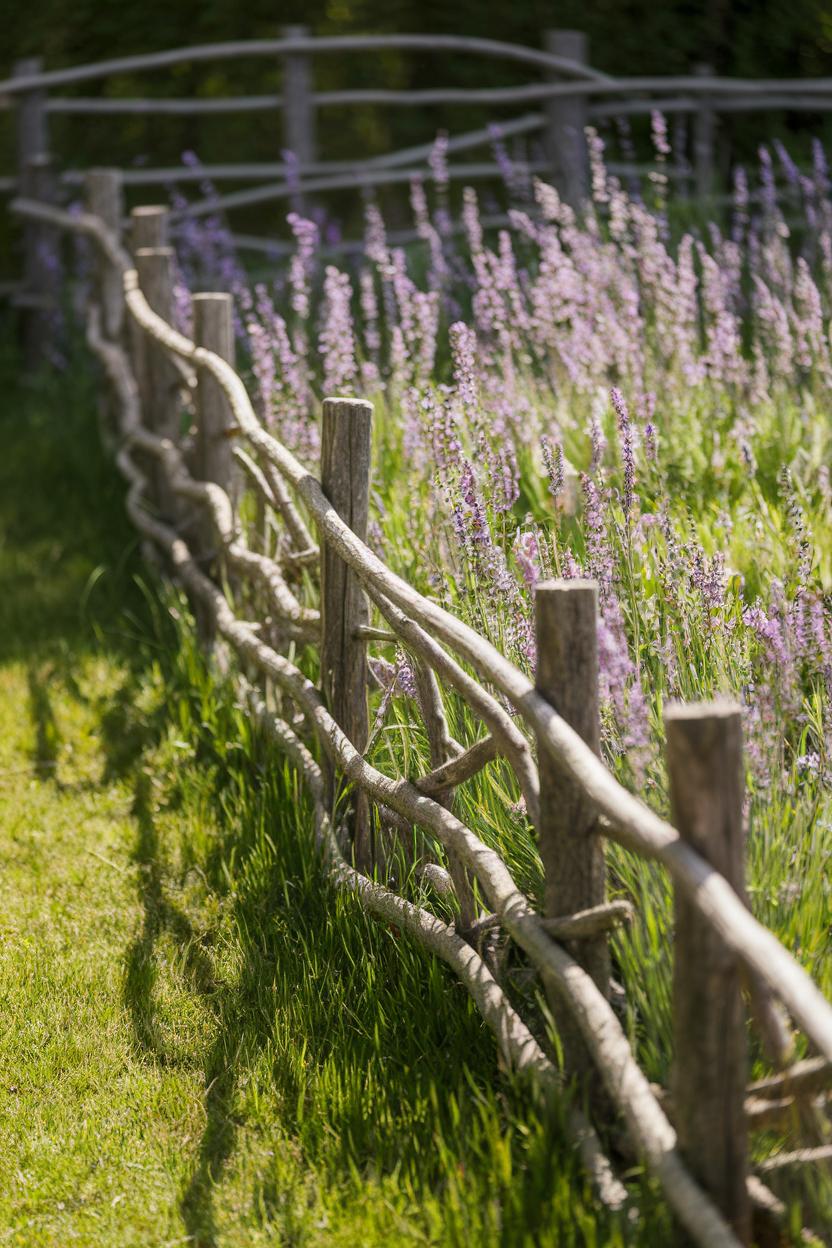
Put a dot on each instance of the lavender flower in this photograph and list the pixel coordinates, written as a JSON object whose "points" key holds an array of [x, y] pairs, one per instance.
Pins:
{"points": [[300, 269], [336, 342], [553, 460], [625, 431], [438, 160]]}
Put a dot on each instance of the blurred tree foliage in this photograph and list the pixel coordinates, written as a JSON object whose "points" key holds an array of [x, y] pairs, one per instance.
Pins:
{"points": [[751, 37]]}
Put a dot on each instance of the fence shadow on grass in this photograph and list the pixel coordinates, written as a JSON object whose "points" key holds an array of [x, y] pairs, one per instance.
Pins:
{"points": [[237, 1030], [159, 914], [68, 592], [47, 732]]}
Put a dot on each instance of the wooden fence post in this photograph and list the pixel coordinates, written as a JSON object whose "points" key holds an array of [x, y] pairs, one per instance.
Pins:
{"points": [[105, 199], [39, 296], [566, 120], [213, 461], [704, 761], [32, 122], [149, 227], [298, 109], [681, 164], [704, 136], [566, 629], [158, 379], [345, 476], [40, 243]]}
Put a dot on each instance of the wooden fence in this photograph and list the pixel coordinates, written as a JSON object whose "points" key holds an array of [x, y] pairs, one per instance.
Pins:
{"points": [[569, 92], [694, 1137]]}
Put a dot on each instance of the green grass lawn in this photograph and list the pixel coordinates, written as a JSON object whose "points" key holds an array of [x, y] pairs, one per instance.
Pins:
{"points": [[200, 1042]]}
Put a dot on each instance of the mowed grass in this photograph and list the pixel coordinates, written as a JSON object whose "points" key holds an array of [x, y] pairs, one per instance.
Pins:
{"points": [[201, 1042]]}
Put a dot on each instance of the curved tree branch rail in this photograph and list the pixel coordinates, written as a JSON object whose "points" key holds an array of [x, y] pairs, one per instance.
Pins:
{"points": [[434, 636], [570, 92], [467, 45]]}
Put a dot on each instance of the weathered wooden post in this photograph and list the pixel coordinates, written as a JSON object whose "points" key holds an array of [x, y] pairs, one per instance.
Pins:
{"points": [[32, 123], [149, 225], [158, 379], [104, 199], [40, 243], [39, 296], [298, 108], [704, 136], [104, 196], [213, 461], [566, 121], [681, 164], [148, 229], [566, 628], [345, 477], [704, 760]]}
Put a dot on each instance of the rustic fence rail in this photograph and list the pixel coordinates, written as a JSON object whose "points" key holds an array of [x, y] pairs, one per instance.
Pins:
{"points": [[570, 92], [572, 799]]}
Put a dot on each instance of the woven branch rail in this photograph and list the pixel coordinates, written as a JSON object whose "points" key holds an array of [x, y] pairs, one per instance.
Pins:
{"points": [[147, 391], [571, 91]]}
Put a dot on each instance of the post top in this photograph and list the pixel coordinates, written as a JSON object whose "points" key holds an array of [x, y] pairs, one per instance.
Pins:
{"points": [[26, 65], [718, 708], [206, 296], [149, 210], [142, 252], [349, 401], [578, 584]]}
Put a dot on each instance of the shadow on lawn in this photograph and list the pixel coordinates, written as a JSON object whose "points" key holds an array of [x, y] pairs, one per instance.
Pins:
{"points": [[239, 1028], [47, 733], [159, 914], [68, 560]]}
